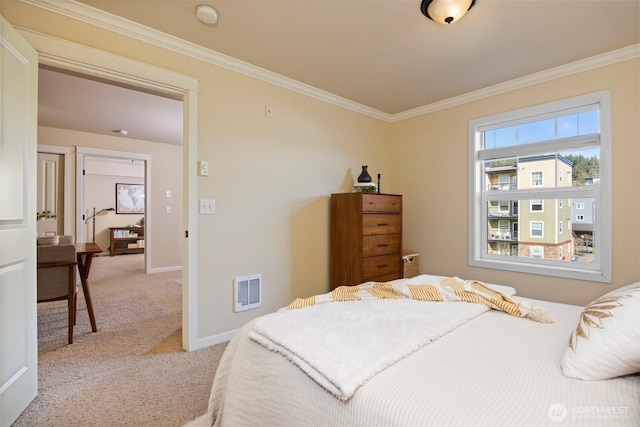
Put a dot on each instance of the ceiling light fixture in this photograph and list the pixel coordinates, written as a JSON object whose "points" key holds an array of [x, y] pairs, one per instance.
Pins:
{"points": [[207, 14], [121, 132], [445, 11]]}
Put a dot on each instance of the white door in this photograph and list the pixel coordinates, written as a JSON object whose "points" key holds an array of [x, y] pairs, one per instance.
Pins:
{"points": [[18, 126], [50, 195]]}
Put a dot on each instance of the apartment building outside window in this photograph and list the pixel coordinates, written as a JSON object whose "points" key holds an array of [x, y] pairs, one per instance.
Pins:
{"points": [[532, 170]]}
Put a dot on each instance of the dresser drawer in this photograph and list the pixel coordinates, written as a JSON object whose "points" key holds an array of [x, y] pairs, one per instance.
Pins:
{"points": [[380, 266], [380, 244], [381, 224], [381, 203]]}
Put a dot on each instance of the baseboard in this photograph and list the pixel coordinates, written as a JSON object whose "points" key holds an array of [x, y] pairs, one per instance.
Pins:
{"points": [[165, 269], [213, 340]]}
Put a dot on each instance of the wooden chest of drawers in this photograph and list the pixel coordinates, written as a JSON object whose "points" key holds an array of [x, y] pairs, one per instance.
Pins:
{"points": [[366, 238]]}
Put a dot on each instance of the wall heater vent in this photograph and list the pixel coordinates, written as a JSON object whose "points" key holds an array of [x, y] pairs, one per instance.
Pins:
{"points": [[247, 292]]}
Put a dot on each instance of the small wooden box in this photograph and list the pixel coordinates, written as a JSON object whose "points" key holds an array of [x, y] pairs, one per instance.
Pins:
{"points": [[409, 265]]}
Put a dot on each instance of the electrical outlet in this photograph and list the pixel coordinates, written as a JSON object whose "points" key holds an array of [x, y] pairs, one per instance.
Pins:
{"points": [[207, 206]]}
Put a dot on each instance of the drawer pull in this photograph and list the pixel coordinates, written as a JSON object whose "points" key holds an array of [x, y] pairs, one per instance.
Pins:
{"points": [[383, 245], [384, 224], [383, 266]]}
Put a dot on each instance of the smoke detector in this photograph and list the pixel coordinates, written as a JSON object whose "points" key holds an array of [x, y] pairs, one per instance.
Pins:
{"points": [[207, 14]]}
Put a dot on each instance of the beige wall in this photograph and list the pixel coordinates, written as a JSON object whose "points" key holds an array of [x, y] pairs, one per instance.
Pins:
{"points": [[272, 178], [166, 174], [430, 168]]}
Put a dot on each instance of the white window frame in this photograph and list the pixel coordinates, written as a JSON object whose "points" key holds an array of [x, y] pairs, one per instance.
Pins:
{"points": [[580, 206], [504, 185], [537, 250], [600, 269], [534, 236], [534, 181], [541, 210]]}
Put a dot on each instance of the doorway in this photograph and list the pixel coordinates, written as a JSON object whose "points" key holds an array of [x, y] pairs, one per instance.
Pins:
{"points": [[103, 216], [60, 54]]}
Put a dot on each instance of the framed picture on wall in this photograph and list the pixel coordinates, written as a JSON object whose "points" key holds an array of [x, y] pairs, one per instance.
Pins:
{"points": [[129, 198]]}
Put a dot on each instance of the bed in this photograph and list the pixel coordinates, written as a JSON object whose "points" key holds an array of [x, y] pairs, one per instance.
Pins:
{"points": [[492, 369]]}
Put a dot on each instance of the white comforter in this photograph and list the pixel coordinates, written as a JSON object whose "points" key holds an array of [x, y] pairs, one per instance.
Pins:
{"points": [[495, 370], [343, 344]]}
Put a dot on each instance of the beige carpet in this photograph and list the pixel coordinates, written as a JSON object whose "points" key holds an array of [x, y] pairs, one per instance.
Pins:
{"points": [[132, 372]]}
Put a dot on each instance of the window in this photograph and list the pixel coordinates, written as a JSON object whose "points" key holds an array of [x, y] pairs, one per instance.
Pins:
{"points": [[503, 181], [553, 154], [536, 205], [536, 179], [537, 228], [505, 229], [536, 252]]}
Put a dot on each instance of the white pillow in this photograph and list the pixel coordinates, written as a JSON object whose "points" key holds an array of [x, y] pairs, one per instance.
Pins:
{"points": [[606, 342]]}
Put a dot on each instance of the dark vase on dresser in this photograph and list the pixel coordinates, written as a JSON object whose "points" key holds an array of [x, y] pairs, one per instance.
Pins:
{"points": [[364, 175]]}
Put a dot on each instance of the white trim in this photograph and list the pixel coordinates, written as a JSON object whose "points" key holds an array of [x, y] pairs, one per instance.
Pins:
{"points": [[216, 339], [608, 58], [99, 18], [600, 270], [81, 155], [85, 60], [67, 154], [190, 276], [71, 56], [93, 16], [164, 269]]}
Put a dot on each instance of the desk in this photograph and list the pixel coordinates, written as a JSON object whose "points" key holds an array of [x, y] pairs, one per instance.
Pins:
{"points": [[85, 252]]}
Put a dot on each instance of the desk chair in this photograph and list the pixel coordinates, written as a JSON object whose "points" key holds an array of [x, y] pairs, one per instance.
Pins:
{"points": [[57, 277]]}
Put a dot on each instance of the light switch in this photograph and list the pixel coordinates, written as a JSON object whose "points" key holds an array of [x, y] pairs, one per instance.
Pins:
{"points": [[207, 206], [204, 168], [168, 193], [167, 209]]}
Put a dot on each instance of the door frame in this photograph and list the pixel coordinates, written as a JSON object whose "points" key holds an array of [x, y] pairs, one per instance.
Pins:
{"points": [[81, 155], [74, 57]]}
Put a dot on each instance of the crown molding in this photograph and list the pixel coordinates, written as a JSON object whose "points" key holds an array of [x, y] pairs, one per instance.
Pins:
{"points": [[608, 58], [99, 18]]}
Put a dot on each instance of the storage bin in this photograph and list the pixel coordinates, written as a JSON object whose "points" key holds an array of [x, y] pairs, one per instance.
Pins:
{"points": [[409, 265]]}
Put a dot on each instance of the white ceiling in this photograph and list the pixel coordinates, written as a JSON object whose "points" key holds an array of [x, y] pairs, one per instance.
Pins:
{"points": [[383, 54], [71, 102]]}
